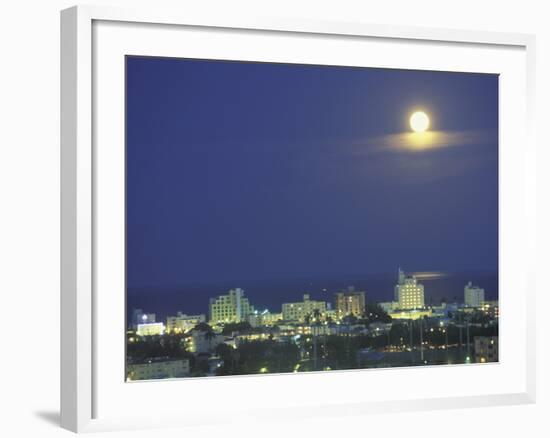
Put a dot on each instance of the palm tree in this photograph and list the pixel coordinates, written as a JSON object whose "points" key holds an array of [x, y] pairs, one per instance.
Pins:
{"points": [[316, 314], [202, 326]]}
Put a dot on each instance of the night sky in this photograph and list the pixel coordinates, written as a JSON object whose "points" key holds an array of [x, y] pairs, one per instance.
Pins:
{"points": [[243, 174]]}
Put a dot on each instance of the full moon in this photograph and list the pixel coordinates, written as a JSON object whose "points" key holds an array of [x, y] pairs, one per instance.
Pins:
{"points": [[419, 121]]}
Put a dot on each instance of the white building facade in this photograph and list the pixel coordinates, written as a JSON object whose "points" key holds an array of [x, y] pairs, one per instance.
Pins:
{"points": [[350, 302], [204, 341], [389, 306], [409, 293], [474, 296], [301, 310], [158, 369], [141, 317], [233, 307], [152, 329], [182, 323], [265, 318]]}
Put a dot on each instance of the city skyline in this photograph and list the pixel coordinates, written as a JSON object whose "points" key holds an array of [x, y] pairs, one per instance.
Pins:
{"points": [[235, 338], [256, 172], [332, 297], [439, 286], [293, 218]]}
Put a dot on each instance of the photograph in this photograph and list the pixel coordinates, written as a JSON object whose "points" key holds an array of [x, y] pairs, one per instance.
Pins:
{"points": [[290, 218]]}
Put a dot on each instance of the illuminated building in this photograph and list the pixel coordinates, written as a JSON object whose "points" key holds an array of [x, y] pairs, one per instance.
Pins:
{"points": [[139, 317], [474, 296], [233, 307], [182, 323], [158, 369], [265, 318], [317, 329], [331, 314], [409, 293], [486, 349], [203, 341], [389, 306], [350, 302], [254, 336], [150, 329], [301, 310], [410, 314], [490, 308]]}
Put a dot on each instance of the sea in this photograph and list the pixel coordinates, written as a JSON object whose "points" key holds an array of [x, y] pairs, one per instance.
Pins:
{"points": [[270, 294]]}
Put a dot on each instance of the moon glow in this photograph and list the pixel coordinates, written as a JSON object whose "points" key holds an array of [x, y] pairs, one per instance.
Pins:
{"points": [[419, 121]]}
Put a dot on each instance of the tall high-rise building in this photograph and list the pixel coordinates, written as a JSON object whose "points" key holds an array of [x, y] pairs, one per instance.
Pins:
{"points": [[409, 293], [233, 307], [300, 311], [474, 296], [350, 302]]}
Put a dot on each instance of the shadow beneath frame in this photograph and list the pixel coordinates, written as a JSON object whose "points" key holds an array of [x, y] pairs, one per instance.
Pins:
{"points": [[51, 417]]}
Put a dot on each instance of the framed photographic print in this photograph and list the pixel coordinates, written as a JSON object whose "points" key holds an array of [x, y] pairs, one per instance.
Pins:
{"points": [[340, 211]]}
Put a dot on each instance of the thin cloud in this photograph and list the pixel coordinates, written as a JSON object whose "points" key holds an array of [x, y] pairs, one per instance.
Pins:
{"points": [[417, 142], [399, 157], [430, 275]]}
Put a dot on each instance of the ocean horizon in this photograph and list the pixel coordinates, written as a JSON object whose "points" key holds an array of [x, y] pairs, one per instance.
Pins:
{"points": [[270, 294]]}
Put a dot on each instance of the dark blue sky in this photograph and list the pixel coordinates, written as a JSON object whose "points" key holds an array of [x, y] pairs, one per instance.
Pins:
{"points": [[241, 173]]}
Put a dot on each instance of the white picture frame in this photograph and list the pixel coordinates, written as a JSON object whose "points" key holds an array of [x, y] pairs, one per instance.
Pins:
{"points": [[81, 334]]}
